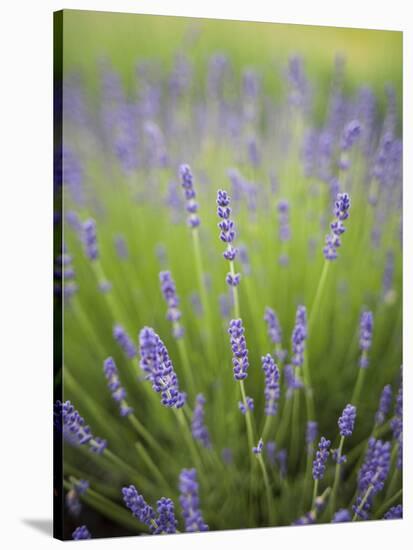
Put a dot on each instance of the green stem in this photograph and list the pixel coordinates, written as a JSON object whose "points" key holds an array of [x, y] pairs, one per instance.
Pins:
{"points": [[358, 387], [147, 436], [152, 466], [332, 501], [200, 273], [363, 501], [250, 433], [185, 363], [267, 489], [315, 490], [235, 292], [318, 294], [190, 442]]}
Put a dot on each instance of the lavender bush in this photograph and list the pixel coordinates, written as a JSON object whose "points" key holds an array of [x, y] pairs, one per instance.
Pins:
{"points": [[244, 383]]}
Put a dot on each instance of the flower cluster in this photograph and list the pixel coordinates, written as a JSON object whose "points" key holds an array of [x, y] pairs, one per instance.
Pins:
{"points": [[249, 405], [124, 341], [273, 326], [72, 496], [169, 292], [319, 463], [311, 433], [258, 449], [187, 180], [68, 421], [366, 331], [81, 533], [140, 509], [189, 500], [199, 429], [384, 404], [89, 239], [227, 233], [347, 420], [272, 386], [299, 336], [155, 362], [395, 512], [117, 390], [341, 213], [239, 349]]}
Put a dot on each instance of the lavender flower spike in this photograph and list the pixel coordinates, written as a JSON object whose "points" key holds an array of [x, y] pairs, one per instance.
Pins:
{"points": [[89, 239], [341, 516], [341, 213], [118, 391], [384, 404], [311, 433], [155, 362], [239, 349], [139, 507], [319, 463], [189, 500], [299, 336], [199, 430], [187, 180], [68, 421], [396, 512], [347, 420], [169, 292], [81, 533], [250, 405], [366, 330], [227, 234], [272, 386], [273, 325], [124, 341], [166, 522]]}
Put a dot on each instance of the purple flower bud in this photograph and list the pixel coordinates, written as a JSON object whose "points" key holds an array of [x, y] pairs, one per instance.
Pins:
{"points": [[395, 512], [384, 404], [81, 533], [258, 449], [199, 430], [138, 506], [166, 521], [347, 420], [118, 391], [189, 500], [169, 292], [311, 433], [350, 135], [299, 336], [284, 220], [250, 405], [341, 516], [271, 448], [239, 349], [89, 239], [272, 386], [341, 213], [124, 341], [319, 463], [68, 421], [366, 331], [155, 362], [293, 382], [187, 181], [233, 280], [273, 325]]}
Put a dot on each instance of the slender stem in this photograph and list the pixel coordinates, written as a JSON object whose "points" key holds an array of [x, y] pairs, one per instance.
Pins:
{"points": [[250, 433], [185, 363], [151, 465], [200, 272], [315, 490], [235, 292], [190, 442], [119, 462], [147, 436], [267, 489], [336, 476], [318, 294], [358, 387], [295, 425]]}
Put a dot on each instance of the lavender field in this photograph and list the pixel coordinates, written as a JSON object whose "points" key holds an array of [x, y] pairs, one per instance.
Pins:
{"points": [[228, 262]]}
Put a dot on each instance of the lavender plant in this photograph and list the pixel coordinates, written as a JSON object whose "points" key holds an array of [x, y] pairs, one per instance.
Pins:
{"points": [[208, 416]]}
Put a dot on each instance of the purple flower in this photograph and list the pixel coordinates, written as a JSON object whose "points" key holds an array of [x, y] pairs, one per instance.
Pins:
{"points": [[187, 180], [271, 448], [351, 133], [341, 213], [199, 430], [72, 496], [282, 461], [273, 325], [272, 385], [319, 463], [169, 292], [284, 220], [299, 336], [250, 405], [307, 519], [239, 349], [124, 341], [258, 449], [341, 516], [227, 233], [189, 500], [68, 421], [118, 391], [292, 381], [397, 425], [89, 239], [139, 507], [384, 404], [121, 247], [395, 512], [372, 475], [366, 330], [81, 533], [311, 433], [347, 420], [155, 362], [166, 522]]}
